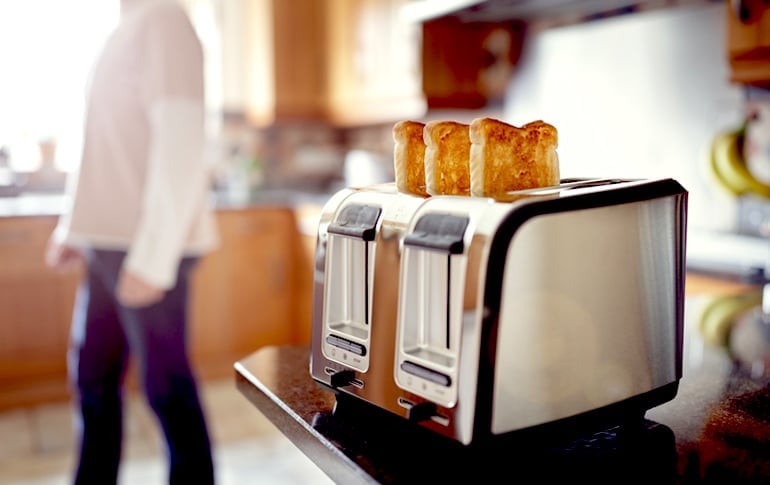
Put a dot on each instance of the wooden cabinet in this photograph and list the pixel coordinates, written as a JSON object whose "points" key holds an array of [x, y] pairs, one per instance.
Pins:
{"points": [[36, 305], [748, 41], [468, 65], [253, 291], [343, 62], [245, 294], [374, 72]]}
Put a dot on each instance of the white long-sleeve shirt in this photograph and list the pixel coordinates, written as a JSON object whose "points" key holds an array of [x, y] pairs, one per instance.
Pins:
{"points": [[143, 182]]}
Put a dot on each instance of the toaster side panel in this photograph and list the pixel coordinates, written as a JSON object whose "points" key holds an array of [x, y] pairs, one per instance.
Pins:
{"points": [[588, 312]]}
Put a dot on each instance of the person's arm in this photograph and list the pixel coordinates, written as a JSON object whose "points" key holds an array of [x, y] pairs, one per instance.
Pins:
{"points": [[177, 180], [177, 184]]}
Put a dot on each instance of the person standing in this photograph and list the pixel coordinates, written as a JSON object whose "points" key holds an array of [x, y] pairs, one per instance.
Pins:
{"points": [[140, 220]]}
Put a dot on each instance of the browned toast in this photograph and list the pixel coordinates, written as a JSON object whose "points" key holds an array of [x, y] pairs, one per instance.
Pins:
{"points": [[505, 158], [409, 157], [447, 158]]}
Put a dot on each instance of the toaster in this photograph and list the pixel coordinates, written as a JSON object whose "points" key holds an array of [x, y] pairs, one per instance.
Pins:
{"points": [[478, 318]]}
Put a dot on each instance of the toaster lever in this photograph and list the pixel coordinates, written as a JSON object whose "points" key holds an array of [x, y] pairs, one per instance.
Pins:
{"points": [[421, 411], [442, 232], [342, 378], [358, 221]]}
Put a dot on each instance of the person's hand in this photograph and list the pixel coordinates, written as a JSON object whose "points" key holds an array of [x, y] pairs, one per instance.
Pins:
{"points": [[61, 256], [132, 291]]}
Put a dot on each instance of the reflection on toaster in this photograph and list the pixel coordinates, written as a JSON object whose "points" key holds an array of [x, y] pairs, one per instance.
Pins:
{"points": [[477, 318]]}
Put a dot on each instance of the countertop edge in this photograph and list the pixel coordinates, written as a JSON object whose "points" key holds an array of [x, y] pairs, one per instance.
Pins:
{"points": [[324, 454], [55, 204]]}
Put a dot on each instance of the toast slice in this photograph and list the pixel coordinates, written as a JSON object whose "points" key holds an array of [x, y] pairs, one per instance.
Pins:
{"points": [[409, 157], [447, 158], [505, 158]]}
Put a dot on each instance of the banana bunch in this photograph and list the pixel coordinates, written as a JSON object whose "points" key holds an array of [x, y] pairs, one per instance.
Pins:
{"points": [[720, 313], [729, 165]]}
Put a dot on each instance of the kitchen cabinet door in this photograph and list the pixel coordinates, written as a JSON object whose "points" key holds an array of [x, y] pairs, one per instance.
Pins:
{"points": [[36, 305], [341, 62], [243, 292], [468, 65], [252, 291], [374, 72], [748, 41]]}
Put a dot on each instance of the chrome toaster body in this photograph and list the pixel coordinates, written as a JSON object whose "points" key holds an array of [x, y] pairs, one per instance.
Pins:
{"points": [[476, 318]]}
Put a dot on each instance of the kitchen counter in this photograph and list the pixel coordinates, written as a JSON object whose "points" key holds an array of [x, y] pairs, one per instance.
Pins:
{"points": [[716, 430], [54, 204], [38, 204]]}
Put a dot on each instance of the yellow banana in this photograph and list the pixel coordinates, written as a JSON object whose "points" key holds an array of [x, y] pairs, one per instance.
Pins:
{"points": [[719, 315], [729, 165], [719, 145]]}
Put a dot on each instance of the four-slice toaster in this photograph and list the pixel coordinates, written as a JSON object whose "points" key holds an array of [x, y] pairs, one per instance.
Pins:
{"points": [[476, 317]]}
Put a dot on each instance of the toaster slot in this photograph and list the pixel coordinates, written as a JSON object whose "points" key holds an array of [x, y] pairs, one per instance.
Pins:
{"points": [[431, 300], [427, 316], [348, 290], [348, 286]]}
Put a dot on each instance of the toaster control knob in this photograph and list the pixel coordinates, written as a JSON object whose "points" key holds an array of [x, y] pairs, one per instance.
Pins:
{"points": [[421, 412], [342, 378]]}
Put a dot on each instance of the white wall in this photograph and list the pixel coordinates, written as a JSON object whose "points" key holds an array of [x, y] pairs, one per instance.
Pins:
{"points": [[639, 95]]}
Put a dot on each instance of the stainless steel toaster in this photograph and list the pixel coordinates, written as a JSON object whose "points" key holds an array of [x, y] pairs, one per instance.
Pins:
{"points": [[477, 317]]}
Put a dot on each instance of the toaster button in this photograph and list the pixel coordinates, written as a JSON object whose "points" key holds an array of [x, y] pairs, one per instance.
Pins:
{"points": [[425, 373], [439, 231], [346, 344]]}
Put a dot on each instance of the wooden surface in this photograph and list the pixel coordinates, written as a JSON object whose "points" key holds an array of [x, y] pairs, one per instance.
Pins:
{"points": [[748, 43], [244, 293], [247, 294], [340, 62], [36, 305]]}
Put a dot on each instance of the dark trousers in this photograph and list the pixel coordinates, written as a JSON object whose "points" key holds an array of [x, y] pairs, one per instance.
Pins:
{"points": [[104, 333]]}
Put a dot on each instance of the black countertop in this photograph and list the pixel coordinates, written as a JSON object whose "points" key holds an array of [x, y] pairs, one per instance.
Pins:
{"points": [[716, 430]]}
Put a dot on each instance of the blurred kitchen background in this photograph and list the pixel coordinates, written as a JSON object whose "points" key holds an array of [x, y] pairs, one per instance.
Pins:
{"points": [[302, 96]]}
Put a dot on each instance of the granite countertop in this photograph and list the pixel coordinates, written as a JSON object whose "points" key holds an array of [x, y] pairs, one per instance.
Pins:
{"points": [[716, 430], [30, 204]]}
